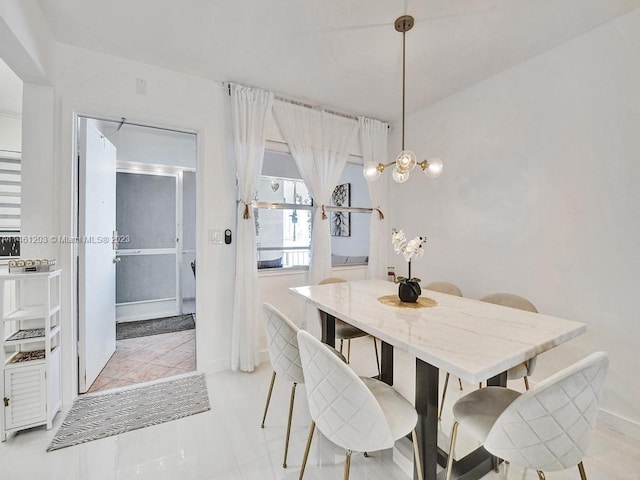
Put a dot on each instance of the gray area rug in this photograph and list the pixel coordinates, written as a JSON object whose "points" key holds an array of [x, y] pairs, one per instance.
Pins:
{"points": [[156, 326], [101, 415]]}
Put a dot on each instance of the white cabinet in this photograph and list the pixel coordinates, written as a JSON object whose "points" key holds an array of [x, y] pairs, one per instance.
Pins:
{"points": [[30, 325]]}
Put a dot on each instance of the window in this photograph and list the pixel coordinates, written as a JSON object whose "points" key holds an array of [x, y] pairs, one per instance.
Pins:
{"points": [[283, 213], [10, 177], [283, 228]]}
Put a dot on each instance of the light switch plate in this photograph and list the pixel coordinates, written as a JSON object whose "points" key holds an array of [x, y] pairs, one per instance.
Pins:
{"points": [[216, 237]]}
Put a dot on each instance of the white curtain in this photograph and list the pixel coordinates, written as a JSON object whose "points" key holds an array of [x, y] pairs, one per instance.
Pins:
{"points": [[373, 142], [249, 109], [319, 142]]}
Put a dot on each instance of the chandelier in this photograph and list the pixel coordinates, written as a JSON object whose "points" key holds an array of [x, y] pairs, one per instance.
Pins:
{"points": [[406, 160]]}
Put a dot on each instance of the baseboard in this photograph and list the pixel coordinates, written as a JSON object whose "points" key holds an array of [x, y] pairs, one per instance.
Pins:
{"points": [[134, 311], [263, 355], [219, 365], [625, 426]]}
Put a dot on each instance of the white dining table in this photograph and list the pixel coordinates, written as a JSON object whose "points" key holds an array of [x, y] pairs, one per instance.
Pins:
{"points": [[476, 341]]}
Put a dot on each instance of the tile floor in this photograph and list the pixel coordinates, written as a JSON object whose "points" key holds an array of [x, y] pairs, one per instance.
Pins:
{"points": [[148, 358], [226, 443]]}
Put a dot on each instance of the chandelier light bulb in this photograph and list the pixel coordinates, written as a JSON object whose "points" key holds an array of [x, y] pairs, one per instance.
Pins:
{"points": [[372, 171], [433, 167], [400, 176], [406, 161]]}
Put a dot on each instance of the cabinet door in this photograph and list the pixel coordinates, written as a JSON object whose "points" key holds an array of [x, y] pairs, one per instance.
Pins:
{"points": [[26, 390]]}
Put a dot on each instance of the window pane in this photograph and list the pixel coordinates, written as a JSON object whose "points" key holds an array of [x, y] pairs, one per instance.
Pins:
{"points": [[10, 179], [283, 237], [145, 277]]}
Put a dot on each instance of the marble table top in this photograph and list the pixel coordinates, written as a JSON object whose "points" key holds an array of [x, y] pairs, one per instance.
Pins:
{"points": [[471, 339]]}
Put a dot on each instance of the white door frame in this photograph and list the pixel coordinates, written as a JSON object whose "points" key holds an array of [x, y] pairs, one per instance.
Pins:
{"points": [[74, 113]]}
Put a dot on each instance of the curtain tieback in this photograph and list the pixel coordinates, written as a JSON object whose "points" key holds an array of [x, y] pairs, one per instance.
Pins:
{"points": [[380, 215], [324, 212], [246, 214]]}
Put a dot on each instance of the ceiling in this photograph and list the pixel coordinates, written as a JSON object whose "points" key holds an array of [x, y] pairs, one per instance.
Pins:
{"points": [[343, 54]]}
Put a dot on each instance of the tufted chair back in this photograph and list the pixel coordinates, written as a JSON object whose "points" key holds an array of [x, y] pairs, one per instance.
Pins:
{"points": [[343, 408], [282, 344], [515, 301], [510, 300], [549, 427], [325, 281], [444, 287]]}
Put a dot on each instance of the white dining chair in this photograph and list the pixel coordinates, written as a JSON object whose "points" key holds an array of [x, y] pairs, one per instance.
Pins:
{"points": [[444, 287], [345, 331], [284, 355], [449, 289], [357, 414], [525, 369], [547, 428]]}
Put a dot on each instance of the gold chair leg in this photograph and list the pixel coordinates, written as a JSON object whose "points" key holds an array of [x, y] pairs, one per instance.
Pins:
{"points": [[349, 351], [416, 454], [526, 382], [306, 450], [375, 346], [460, 384], [454, 435], [266, 407], [347, 465], [583, 475], [444, 395], [286, 442], [541, 475]]}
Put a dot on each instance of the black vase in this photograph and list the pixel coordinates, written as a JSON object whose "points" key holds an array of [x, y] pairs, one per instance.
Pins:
{"points": [[409, 291]]}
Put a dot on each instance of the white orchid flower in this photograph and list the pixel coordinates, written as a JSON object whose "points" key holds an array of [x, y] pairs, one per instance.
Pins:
{"points": [[408, 248]]}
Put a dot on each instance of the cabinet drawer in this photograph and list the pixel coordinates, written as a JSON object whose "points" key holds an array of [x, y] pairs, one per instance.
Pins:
{"points": [[27, 393]]}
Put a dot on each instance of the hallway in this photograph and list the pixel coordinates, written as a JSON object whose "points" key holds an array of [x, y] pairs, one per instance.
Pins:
{"points": [[148, 358]]}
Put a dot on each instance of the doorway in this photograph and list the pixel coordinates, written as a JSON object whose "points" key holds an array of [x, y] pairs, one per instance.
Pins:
{"points": [[136, 253]]}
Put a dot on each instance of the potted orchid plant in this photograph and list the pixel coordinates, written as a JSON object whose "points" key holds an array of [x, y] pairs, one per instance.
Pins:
{"points": [[409, 287]]}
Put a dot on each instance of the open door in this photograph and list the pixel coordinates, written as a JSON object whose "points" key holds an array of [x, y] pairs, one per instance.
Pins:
{"points": [[96, 250]]}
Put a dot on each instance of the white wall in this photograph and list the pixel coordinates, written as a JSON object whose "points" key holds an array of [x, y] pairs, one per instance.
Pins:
{"points": [[10, 110], [10, 132], [105, 86], [26, 43], [540, 196], [151, 145]]}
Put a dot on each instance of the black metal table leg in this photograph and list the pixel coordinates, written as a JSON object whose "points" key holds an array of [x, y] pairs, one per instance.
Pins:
{"points": [[386, 364], [328, 323], [499, 380], [427, 427]]}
